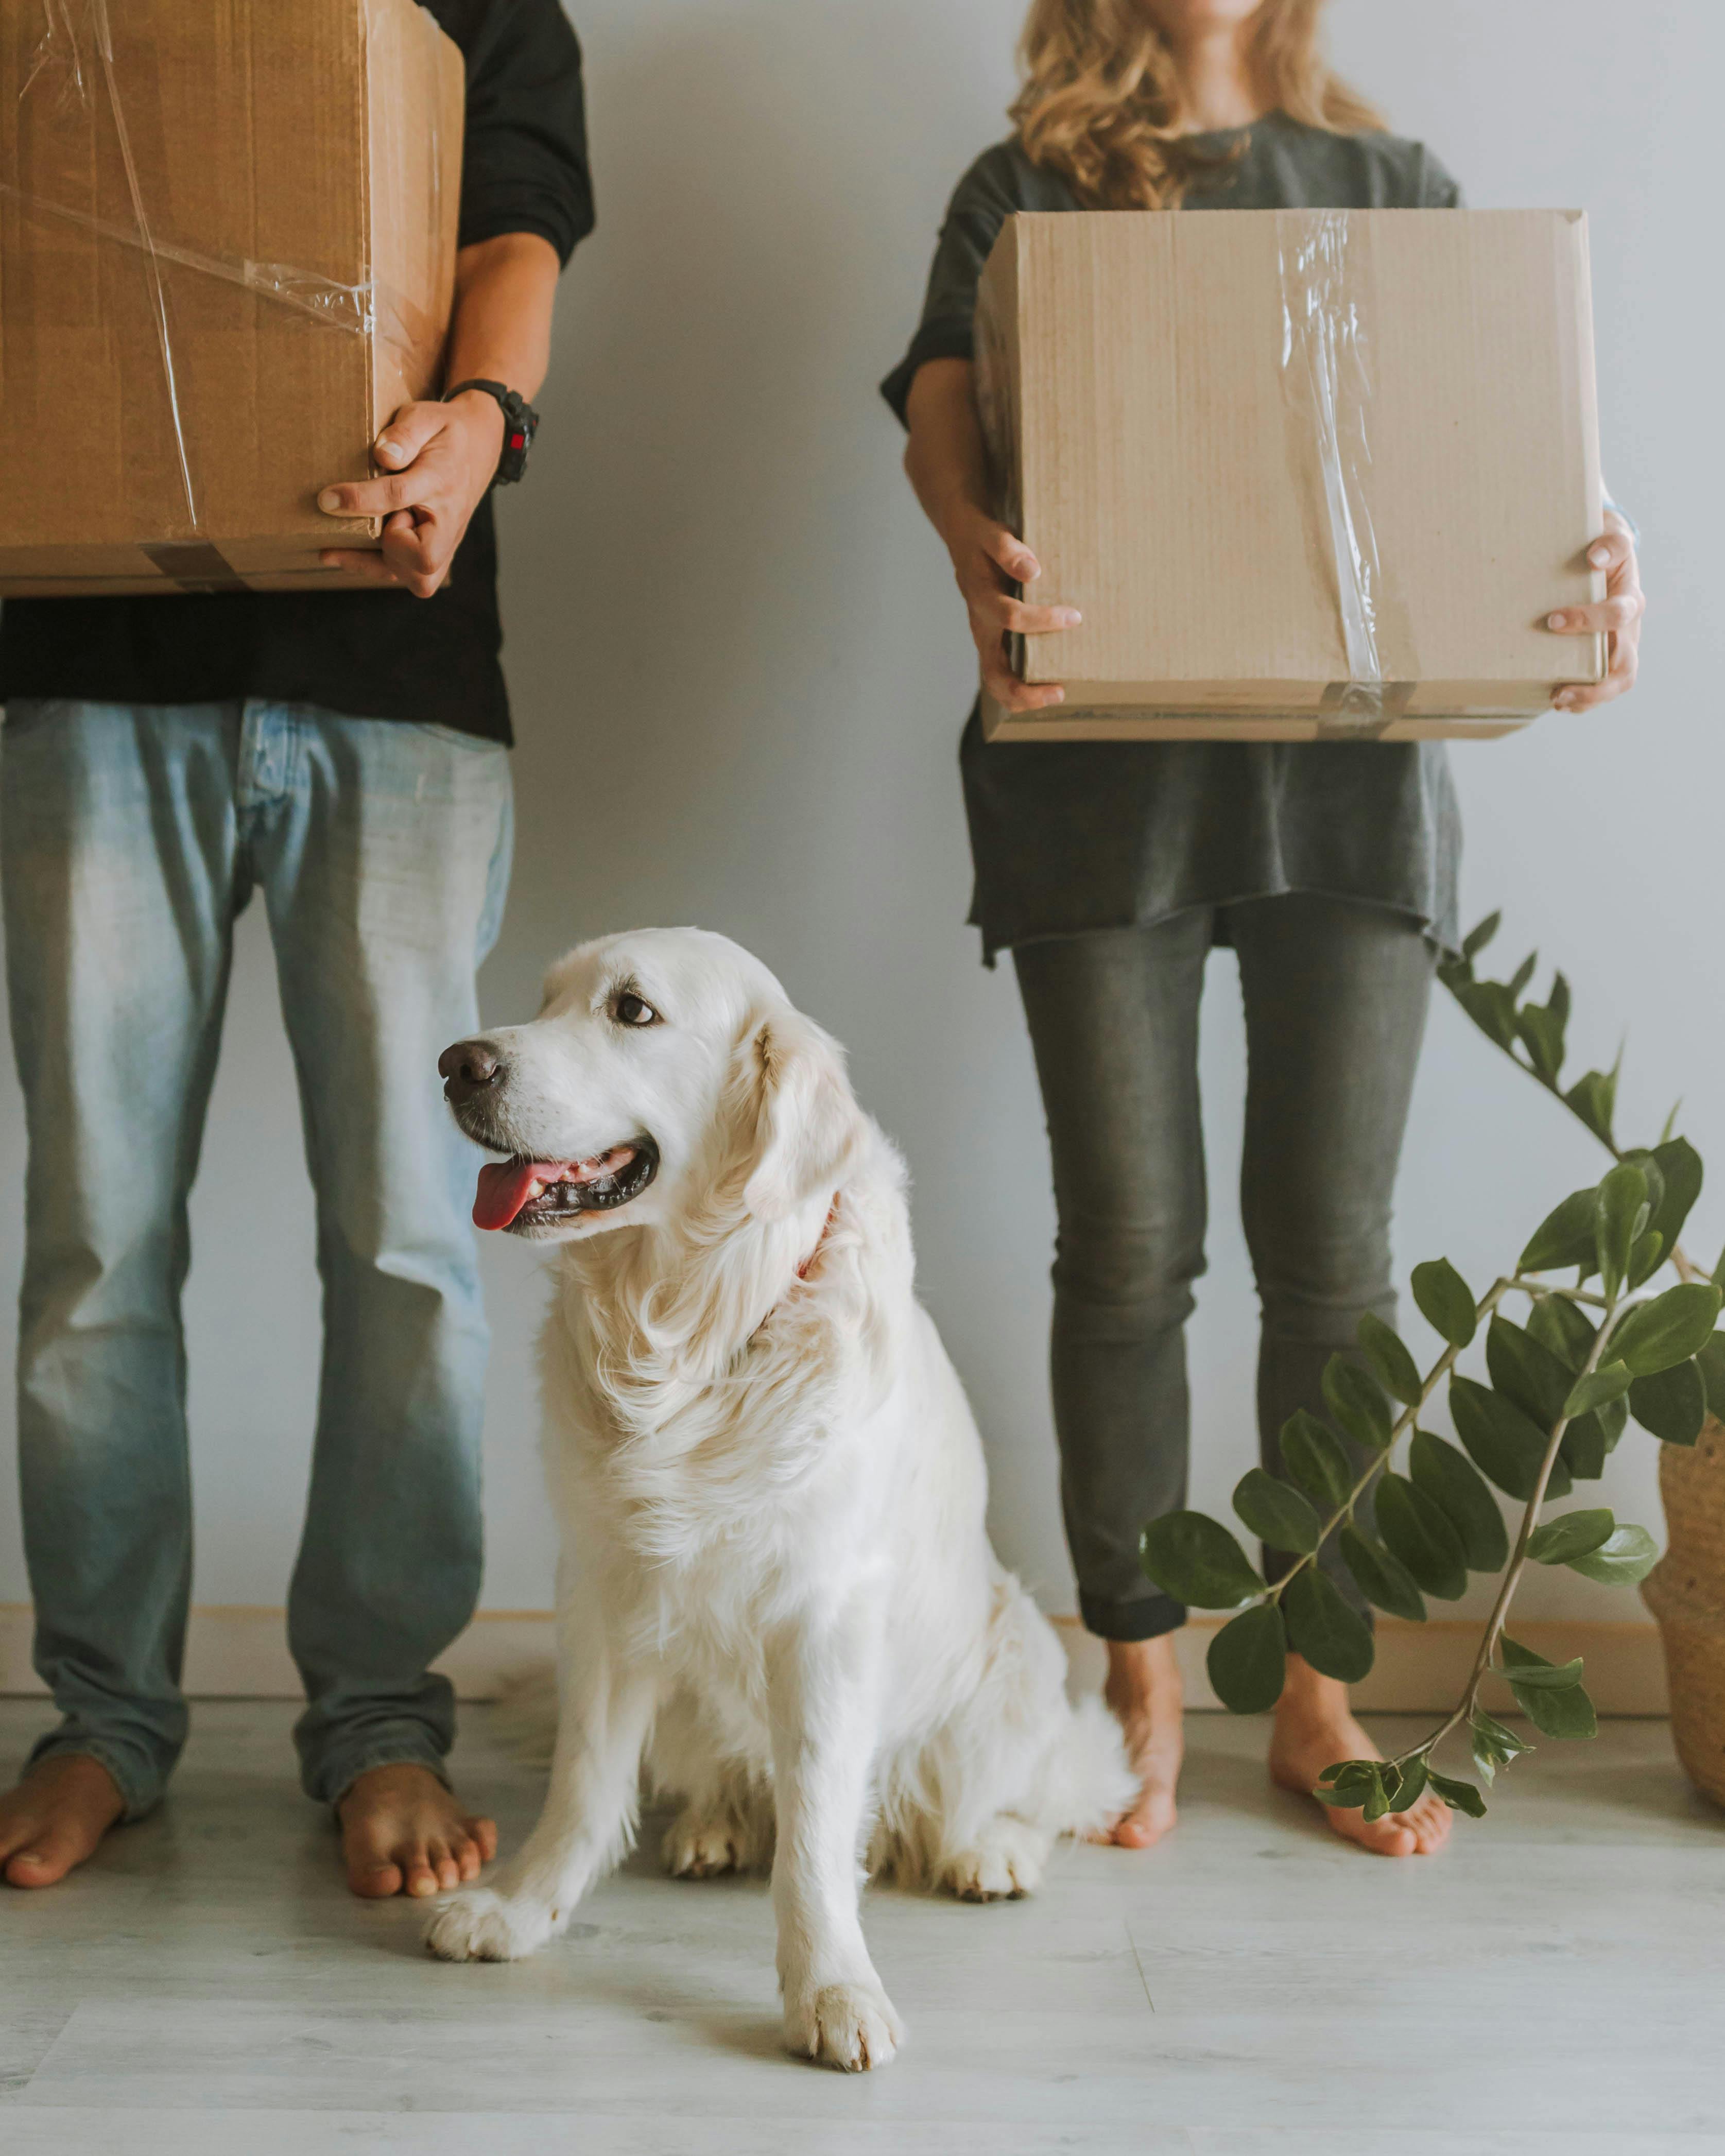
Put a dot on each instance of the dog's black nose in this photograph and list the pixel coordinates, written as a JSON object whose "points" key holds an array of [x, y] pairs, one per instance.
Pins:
{"points": [[469, 1068]]}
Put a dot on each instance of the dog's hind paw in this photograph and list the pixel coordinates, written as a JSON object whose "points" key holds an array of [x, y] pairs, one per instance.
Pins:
{"points": [[701, 1844], [1006, 1861], [851, 2026], [482, 1925]]}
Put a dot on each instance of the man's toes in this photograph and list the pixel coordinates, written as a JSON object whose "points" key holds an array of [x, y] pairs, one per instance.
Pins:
{"points": [[468, 1858], [1430, 1822], [374, 1877], [44, 1860], [485, 1833]]}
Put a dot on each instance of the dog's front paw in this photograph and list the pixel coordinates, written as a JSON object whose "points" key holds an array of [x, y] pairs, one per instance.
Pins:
{"points": [[851, 2026], [482, 1925]]}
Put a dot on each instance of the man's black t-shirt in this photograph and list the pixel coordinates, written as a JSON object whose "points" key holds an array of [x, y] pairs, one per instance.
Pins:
{"points": [[371, 654]]}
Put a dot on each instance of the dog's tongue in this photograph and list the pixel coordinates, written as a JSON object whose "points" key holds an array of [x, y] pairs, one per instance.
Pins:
{"points": [[505, 1186]]}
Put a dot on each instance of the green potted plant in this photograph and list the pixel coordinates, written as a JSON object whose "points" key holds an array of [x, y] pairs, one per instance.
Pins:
{"points": [[1602, 1319]]}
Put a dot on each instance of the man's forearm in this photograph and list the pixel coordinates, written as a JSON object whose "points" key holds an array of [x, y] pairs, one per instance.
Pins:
{"points": [[500, 329]]}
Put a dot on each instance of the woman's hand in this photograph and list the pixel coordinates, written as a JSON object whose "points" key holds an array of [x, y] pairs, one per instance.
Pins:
{"points": [[1618, 614], [438, 459], [986, 560], [947, 466]]}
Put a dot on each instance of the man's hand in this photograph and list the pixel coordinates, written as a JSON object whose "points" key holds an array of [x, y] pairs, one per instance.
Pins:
{"points": [[438, 461], [1619, 614]]}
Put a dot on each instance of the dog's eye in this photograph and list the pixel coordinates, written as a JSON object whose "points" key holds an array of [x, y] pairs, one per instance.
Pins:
{"points": [[628, 1009]]}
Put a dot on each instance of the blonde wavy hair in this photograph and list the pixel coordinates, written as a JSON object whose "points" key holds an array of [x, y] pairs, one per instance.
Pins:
{"points": [[1101, 104]]}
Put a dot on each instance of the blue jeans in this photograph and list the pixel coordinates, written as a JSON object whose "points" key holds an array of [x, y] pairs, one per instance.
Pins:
{"points": [[131, 840]]}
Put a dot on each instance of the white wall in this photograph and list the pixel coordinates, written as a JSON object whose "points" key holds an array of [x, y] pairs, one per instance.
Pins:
{"points": [[739, 672]]}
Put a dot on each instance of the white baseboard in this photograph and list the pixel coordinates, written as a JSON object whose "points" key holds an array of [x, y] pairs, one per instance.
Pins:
{"points": [[236, 1652]]}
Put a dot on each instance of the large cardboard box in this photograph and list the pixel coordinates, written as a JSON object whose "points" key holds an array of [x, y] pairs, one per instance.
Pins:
{"points": [[1306, 473], [227, 256]]}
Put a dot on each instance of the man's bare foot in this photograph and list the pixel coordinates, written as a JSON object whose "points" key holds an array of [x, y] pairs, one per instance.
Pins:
{"points": [[404, 1833], [55, 1817], [1314, 1729], [1144, 1692]]}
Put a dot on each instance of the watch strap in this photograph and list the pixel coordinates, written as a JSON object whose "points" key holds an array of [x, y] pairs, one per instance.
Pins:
{"points": [[520, 423]]}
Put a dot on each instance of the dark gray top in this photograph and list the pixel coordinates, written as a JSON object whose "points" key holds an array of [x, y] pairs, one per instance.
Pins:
{"points": [[1068, 838]]}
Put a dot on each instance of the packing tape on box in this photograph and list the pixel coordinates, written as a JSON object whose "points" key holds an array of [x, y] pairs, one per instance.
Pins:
{"points": [[1327, 385], [65, 67]]}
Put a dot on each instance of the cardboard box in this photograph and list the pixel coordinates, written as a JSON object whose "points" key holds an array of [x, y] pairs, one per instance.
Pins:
{"points": [[1306, 473], [227, 256]]}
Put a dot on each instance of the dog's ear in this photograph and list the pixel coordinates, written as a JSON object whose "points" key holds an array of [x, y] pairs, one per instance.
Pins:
{"points": [[806, 1122]]}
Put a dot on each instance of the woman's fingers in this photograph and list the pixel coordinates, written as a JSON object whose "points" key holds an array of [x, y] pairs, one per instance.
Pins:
{"points": [[1004, 613], [1009, 552], [1607, 615], [1614, 551]]}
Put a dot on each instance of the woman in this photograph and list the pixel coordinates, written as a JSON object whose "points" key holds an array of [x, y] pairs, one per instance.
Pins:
{"points": [[1110, 870]]}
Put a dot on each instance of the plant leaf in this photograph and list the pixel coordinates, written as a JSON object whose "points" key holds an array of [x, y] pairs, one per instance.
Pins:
{"points": [[1248, 1660], [1501, 1442], [1459, 1796], [1196, 1560], [1669, 1329], [1593, 1099], [1490, 1006], [1561, 1326], [1522, 974], [1453, 1484], [1620, 1212], [1276, 1514], [1480, 935], [1395, 1369], [1566, 1713], [1523, 1667], [1623, 1560], [1710, 1362], [1645, 1258], [1358, 1402], [1349, 1784], [1596, 1388], [1671, 1406], [1313, 1456], [1493, 1745], [1525, 1371], [1571, 1535], [1680, 1166], [1334, 1638], [1410, 1785], [1417, 1530], [1446, 1301], [1565, 1237], [1381, 1578]]}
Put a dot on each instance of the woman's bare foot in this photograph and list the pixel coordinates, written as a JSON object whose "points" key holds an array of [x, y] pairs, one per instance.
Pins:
{"points": [[1144, 1692], [403, 1832], [55, 1817], [1314, 1729]]}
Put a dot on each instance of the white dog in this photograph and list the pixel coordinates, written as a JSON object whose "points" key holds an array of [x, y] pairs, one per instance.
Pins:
{"points": [[777, 1588]]}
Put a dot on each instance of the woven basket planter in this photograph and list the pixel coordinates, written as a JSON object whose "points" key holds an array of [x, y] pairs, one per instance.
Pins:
{"points": [[1685, 1592]]}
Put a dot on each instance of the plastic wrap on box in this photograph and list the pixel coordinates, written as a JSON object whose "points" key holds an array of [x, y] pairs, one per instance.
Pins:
{"points": [[90, 106]]}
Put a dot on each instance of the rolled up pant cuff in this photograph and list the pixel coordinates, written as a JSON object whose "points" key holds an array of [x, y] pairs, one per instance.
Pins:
{"points": [[1146, 1617], [328, 1779], [140, 1780]]}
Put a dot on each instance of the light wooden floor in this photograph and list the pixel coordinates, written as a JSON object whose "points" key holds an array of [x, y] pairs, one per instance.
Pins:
{"points": [[207, 1987]]}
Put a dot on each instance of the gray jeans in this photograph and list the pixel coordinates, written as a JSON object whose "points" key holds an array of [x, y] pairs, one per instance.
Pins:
{"points": [[1336, 996]]}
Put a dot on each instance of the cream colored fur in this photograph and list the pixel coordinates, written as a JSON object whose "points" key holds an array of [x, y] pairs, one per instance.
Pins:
{"points": [[776, 1591]]}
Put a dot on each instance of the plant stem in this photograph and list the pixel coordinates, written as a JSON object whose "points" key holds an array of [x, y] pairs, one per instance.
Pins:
{"points": [[1518, 1559], [1404, 1422]]}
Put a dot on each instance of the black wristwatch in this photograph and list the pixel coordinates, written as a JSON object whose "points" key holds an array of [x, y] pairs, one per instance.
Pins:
{"points": [[520, 423]]}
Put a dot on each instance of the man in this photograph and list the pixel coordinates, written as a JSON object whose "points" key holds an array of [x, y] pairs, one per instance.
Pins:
{"points": [[344, 752]]}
